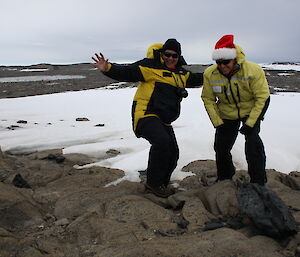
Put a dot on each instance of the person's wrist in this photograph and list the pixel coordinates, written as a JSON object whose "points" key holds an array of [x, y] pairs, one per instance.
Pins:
{"points": [[107, 67]]}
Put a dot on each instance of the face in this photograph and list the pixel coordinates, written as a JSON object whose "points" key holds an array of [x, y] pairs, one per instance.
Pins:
{"points": [[170, 58], [226, 66]]}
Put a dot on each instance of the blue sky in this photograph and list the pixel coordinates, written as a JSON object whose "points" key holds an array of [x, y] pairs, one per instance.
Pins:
{"points": [[71, 31]]}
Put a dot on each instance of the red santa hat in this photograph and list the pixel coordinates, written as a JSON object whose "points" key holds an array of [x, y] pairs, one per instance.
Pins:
{"points": [[224, 49]]}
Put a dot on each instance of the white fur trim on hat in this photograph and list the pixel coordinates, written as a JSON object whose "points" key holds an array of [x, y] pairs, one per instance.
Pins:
{"points": [[224, 53]]}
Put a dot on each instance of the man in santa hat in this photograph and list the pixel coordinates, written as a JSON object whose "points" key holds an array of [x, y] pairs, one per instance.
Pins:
{"points": [[236, 96]]}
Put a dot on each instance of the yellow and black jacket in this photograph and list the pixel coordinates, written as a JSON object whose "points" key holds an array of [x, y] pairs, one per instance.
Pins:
{"points": [[159, 91], [245, 95]]}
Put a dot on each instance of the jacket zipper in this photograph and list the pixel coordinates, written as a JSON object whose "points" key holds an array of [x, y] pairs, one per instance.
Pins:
{"points": [[176, 81], [183, 85], [235, 102], [238, 91]]}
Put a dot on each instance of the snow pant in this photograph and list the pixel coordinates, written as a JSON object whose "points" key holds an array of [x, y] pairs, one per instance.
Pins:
{"points": [[225, 138], [164, 152]]}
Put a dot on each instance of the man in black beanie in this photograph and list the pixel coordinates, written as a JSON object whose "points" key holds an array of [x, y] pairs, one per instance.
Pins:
{"points": [[156, 105]]}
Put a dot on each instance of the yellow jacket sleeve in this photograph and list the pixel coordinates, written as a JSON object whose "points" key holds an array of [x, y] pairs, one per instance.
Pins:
{"points": [[210, 104], [261, 92]]}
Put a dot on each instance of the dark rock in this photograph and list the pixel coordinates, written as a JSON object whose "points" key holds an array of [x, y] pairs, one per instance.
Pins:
{"points": [[60, 159], [17, 209], [82, 119], [180, 221], [18, 181], [214, 224], [13, 127], [113, 152], [229, 222], [51, 157], [22, 121], [56, 157], [267, 211]]}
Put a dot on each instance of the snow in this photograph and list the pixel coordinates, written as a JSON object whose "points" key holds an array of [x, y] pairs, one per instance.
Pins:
{"points": [[40, 78], [295, 67], [285, 74], [52, 124], [33, 70], [8, 69]]}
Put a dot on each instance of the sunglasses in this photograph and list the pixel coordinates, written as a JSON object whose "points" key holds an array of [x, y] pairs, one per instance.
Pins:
{"points": [[167, 54], [225, 62]]}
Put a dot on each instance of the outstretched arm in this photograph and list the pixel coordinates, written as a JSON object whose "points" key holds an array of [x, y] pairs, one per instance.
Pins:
{"points": [[128, 73], [195, 80]]}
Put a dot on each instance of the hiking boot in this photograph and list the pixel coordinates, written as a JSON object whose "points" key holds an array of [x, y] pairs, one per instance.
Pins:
{"points": [[173, 186], [143, 172], [160, 191]]}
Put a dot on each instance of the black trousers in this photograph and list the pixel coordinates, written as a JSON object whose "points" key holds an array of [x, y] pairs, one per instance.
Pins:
{"points": [[225, 138], [164, 152]]}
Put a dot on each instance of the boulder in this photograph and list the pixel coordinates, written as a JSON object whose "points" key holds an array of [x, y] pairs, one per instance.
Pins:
{"points": [[17, 208], [91, 211]]}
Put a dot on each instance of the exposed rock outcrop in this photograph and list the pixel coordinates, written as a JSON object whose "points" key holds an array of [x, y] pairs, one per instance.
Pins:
{"points": [[72, 212]]}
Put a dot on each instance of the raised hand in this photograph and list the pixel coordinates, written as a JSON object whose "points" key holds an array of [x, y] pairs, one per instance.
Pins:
{"points": [[100, 62]]}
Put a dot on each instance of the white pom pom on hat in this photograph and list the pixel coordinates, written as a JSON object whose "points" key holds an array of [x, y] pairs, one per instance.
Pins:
{"points": [[224, 49]]}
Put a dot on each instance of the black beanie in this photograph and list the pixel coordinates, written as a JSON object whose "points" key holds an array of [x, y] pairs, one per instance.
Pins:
{"points": [[172, 44]]}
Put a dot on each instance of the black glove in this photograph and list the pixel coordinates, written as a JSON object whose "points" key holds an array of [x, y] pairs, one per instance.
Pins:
{"points": [[246, 130]]}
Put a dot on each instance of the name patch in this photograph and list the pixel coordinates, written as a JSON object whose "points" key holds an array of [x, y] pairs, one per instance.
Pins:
{"points": [[217, 89]]}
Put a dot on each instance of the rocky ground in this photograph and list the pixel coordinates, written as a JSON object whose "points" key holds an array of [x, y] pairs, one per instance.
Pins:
{"points": [[50, 208], [92, 79], [290, 82]]}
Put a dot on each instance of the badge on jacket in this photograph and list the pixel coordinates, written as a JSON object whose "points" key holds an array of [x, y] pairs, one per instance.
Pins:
{"points": [[217, 89]]}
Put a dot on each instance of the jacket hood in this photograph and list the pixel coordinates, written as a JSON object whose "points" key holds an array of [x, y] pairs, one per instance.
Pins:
{"points": [[153, 50], [240, 55]]}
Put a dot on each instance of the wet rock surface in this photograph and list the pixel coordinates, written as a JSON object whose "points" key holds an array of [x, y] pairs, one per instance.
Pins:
{"points": [[73, 212]]}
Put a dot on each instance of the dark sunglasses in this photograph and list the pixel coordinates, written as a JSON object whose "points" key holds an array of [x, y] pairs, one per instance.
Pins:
{"points": [[167, 54], [225, 62]]}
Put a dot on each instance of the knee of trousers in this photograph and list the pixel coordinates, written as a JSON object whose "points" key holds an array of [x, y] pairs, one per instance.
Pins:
{"points": [[222, 152], [222, 148], [166, 149], [164, 142], [255, 147]]}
